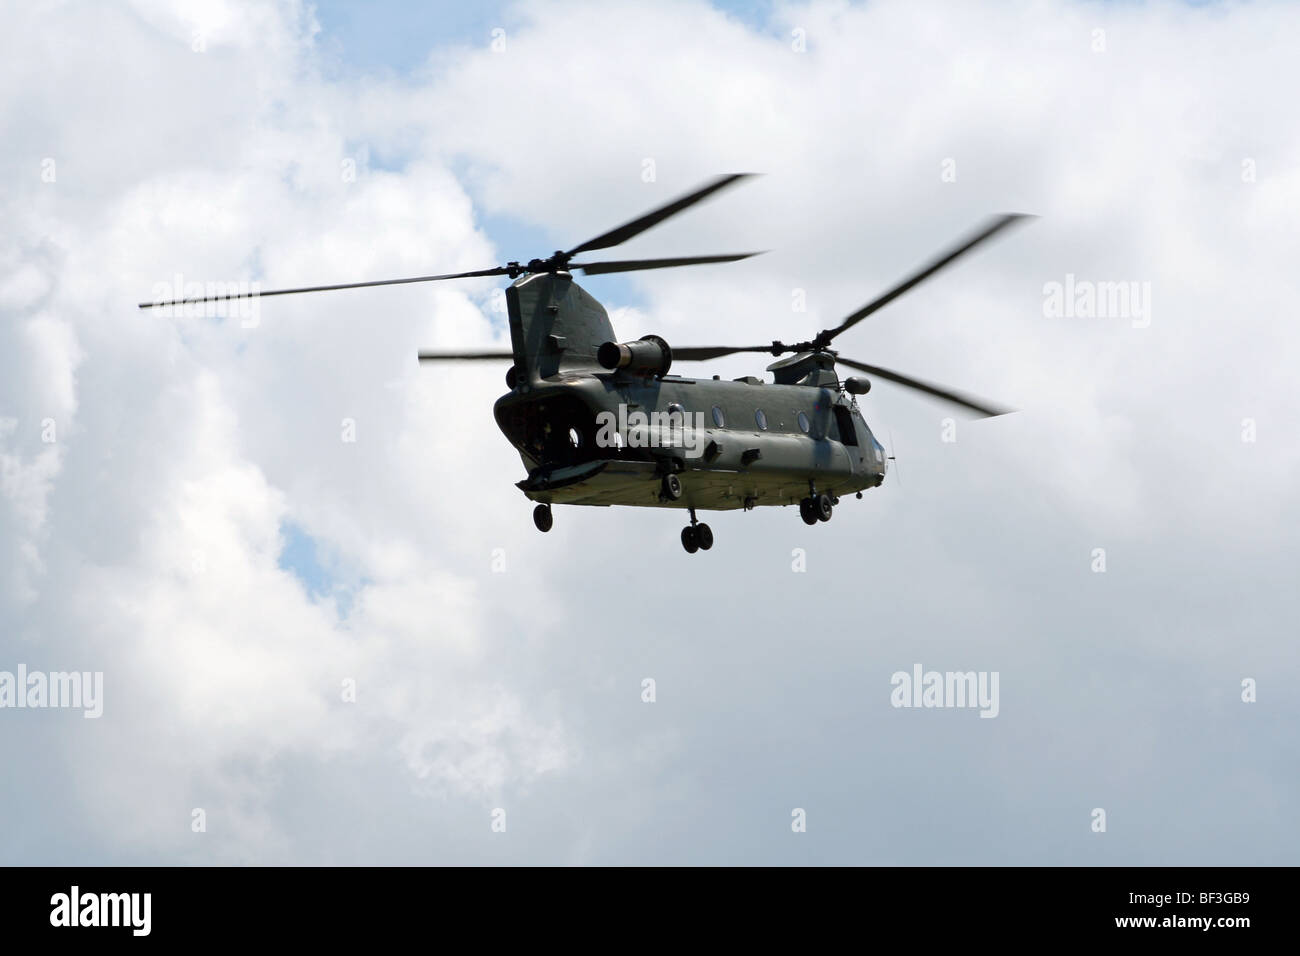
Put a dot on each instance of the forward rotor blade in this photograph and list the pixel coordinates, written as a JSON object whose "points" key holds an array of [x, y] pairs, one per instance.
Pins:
{"points": [[705, 352], [984, 409], [641, 224], [634, 265], [499, 271], [991, 229], [464, 356]]}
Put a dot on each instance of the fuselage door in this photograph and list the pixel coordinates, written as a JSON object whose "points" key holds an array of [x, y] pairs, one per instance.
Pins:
{"points": [[844, 422]]}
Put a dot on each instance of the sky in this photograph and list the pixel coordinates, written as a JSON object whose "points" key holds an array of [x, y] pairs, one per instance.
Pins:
{"points": [[329, 633]]}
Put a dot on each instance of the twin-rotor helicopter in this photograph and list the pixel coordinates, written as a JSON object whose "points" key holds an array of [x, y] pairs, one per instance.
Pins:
{"points": [[601, 422]]}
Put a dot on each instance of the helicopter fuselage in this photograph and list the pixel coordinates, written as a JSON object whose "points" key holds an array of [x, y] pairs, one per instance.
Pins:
{"points": [[609, 438]]}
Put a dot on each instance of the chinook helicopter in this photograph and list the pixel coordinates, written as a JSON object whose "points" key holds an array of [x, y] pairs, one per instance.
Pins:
{"points": [[601, 422]]}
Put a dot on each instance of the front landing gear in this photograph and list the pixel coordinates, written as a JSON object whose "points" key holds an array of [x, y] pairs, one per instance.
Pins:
{"points": [[543, 518], [816, 507], [696, 536], [806, 511]]}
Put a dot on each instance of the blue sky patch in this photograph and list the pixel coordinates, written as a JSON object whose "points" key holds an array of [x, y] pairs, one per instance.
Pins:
{"points": [[302, 557]]}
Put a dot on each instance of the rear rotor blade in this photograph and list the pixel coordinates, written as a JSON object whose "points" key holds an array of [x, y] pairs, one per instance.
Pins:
{"points": [[984, 409], [641, 224], [464, 356], [634, 265], [499, 271], [991, 229]]}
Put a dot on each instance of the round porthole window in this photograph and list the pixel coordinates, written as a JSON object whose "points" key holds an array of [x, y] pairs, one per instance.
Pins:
{"points": [[803, 423], [718, 418], [761, 418]]}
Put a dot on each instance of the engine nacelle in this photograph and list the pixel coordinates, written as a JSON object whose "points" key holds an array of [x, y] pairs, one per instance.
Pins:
{"points": [[857, 385], [649, 355]]}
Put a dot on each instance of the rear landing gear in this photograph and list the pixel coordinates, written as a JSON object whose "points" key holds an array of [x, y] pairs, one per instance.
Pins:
{"points": [[696, 536], [670, 489], [543, 518]]}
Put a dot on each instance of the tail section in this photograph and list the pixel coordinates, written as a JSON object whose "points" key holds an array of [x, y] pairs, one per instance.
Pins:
{"points": [[555, 326]]}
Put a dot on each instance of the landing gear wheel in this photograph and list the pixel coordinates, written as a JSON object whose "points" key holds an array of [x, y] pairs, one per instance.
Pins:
{"points": [[806, 511], [704, 536], [691, 541], [823, 507], [671, 489], [543, 518]]}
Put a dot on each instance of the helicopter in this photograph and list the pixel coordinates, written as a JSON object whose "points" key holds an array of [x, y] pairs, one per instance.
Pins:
{"points": [[602, 422]]}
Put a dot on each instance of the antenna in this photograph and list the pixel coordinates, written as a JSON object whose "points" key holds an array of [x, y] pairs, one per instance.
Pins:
{"points": [[898, 475]]}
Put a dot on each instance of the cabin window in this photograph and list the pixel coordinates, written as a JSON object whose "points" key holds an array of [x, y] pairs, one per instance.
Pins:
{"points": [[761, 418], [718, 418], [804, 425]]}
